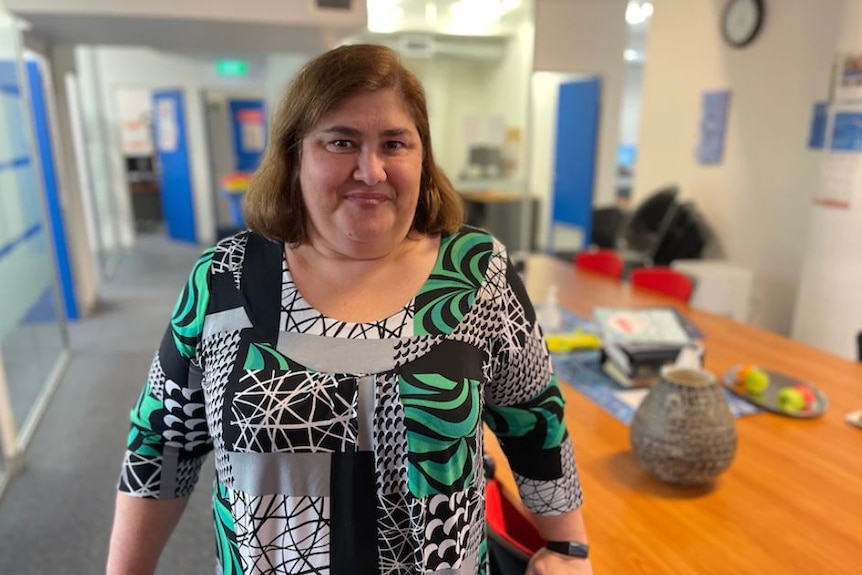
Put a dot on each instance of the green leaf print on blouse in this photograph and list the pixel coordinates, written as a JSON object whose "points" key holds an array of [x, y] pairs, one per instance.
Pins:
{"points": [[544, 413], [190, 310], [451, 288], [225, 532], [261, 355], [143, 440], [442, 417]]}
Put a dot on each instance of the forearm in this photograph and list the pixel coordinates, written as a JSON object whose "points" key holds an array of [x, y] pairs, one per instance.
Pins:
{"points": [[563, 527], [141, 529]]}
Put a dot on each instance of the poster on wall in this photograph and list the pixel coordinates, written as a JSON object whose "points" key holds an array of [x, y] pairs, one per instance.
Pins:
{"points": [[848, 77], [841, 158], [167, 126], [713, 126], [252, 130]]}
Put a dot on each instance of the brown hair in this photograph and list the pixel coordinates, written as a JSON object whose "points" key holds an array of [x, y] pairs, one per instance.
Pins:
{"points": [[273, 204]]}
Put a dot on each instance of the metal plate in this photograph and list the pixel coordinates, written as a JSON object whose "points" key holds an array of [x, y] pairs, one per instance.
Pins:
{"points": [[769, 398]]}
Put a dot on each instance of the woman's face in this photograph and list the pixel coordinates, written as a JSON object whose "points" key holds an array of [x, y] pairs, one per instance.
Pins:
{"points": [[360, 174]]}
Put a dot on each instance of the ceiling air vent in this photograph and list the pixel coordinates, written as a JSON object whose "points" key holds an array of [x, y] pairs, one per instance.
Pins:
{"points": [[334, 4]]}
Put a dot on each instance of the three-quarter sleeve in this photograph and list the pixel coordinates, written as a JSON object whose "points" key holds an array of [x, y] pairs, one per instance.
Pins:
{"points": [[524, 407], [169, 438]]}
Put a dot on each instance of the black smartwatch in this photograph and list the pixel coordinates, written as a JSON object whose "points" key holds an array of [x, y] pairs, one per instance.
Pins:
{"points": [[570, 548]]}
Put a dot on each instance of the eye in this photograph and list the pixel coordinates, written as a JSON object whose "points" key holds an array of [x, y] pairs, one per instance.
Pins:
{"points": [[394, 145], [340, 145]]}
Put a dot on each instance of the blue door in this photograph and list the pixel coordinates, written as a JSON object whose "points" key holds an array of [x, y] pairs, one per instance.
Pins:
{"points": [[575, 162], [173, 157], [42, 131]]}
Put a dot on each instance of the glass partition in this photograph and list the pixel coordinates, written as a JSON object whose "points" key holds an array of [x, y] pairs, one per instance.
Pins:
{"points": [[33, 346]]}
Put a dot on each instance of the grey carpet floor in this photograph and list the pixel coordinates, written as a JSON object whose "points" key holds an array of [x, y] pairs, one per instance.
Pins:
{"points": [[55, 517]]}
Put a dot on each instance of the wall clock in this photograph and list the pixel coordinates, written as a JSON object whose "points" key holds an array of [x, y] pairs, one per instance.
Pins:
{"points": [[741, 21]]}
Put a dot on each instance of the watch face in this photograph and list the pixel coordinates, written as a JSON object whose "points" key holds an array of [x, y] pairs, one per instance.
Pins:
{"points": [[741, 21]]}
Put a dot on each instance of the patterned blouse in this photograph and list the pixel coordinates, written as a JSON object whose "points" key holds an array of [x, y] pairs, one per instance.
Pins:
{"points": [[346, 448]]}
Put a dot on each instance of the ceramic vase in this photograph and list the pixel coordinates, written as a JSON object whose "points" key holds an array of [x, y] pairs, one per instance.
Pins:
{"points": [[683, 432]]}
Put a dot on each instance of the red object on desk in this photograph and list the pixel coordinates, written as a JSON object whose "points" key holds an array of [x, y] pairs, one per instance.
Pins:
{"points": [[664, 280], [606, 262]]}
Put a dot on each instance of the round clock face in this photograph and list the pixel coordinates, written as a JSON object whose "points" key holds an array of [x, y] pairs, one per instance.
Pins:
{"points": [[741, 21]]}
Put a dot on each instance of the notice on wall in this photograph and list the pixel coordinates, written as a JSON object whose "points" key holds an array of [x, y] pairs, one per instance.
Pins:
{"points": [[848, 77], [715, 107], [841, 159], [168, 133], [252, 130]]}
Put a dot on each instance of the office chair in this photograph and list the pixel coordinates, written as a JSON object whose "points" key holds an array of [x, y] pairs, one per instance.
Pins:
{"points": [[664, 280], [605, 262], [607, 223]]}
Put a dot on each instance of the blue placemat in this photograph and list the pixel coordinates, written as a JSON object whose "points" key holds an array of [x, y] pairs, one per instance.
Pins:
{"points": [[582, 370]]}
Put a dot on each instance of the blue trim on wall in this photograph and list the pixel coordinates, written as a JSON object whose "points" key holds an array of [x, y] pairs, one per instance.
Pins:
{"points": [[42, 130], [6, 249]]}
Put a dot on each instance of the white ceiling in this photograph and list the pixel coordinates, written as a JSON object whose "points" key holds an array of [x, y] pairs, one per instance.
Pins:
{"points": [[206, 35], [175, 35]]}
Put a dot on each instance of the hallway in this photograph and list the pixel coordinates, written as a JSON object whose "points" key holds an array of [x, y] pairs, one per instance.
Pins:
{"points": [[56, 515]]}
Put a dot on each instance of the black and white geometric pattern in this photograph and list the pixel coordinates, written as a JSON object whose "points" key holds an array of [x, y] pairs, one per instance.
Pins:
{"points": [[397, 542], [298, 316], [553, 497], [446, 520], [220, 352], [188, 471], [529, 364], [283, 535], [390, 432], [295, 412], [409, 349], [140, 475], [156, 378], [185, 421], [229, 255]]}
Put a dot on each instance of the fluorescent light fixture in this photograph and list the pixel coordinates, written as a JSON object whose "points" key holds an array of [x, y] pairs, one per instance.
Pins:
{"points": [[630, 55], [385, 16], [638, 12]]}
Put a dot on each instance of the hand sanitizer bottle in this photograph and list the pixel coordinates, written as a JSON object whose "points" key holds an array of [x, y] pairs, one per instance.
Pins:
{"points": [[550, 317]]}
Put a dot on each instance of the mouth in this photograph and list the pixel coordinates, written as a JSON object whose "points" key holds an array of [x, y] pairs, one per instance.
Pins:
{"points": [[366, 198]]}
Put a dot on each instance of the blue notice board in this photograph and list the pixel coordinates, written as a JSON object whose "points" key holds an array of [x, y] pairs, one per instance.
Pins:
{"points": [[817, 137], [713, 125], [847, 132]]}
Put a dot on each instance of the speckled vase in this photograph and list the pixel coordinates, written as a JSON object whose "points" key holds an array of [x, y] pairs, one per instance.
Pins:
{"points": [[683, 432]]}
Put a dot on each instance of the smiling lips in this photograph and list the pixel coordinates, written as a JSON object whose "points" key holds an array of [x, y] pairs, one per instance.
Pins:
{"points": [[366, 198]]}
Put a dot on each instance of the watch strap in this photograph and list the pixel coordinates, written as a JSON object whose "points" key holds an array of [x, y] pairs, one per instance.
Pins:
{"points": [[570, 548]]}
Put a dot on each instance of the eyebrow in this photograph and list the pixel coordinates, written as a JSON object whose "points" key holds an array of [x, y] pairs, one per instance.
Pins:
{"points": [[348, 131]]}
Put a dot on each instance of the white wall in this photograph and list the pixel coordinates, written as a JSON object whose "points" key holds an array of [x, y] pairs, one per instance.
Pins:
{"points": [[758, 201], [630, 110], [828, 310], [588, 37]]}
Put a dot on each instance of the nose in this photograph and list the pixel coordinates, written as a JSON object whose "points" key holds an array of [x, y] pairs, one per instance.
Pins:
{"points": [[370, 167]]}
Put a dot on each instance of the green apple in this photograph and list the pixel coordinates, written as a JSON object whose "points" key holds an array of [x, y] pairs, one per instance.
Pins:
{"points": [[756, 381], [790, 399]]}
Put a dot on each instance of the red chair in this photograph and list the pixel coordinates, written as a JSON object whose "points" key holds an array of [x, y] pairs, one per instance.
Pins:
{"points": [[605, 262], [664, 280]]}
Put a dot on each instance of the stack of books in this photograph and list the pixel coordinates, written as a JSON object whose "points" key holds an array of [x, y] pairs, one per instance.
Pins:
{"points": [[638, 342]]}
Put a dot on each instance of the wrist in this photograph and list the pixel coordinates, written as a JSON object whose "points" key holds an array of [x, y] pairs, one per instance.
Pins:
{"points": [[570, 549]]}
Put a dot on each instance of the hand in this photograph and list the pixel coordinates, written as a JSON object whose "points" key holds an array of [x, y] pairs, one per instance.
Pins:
{"points": [[546, 562]]}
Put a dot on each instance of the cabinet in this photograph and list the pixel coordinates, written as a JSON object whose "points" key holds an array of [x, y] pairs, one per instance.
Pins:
{"points": [[502, 214]]}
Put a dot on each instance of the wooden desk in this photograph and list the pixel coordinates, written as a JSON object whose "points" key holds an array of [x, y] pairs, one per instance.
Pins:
{"points": [[790, 503]]}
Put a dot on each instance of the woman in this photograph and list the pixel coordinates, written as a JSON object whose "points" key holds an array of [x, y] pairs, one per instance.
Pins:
{"points": [[340, 358]]}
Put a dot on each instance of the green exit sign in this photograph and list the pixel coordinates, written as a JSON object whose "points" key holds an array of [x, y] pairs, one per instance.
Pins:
{"points": [[231, 67]]}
